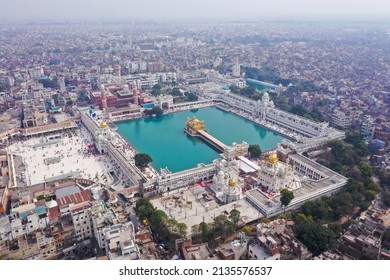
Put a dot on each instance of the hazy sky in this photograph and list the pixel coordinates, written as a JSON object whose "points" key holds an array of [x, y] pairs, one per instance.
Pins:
{"points": [[27, 10]]}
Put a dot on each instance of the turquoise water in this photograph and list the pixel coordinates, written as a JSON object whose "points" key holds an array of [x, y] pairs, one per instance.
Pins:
{"points": [[165, 141]]}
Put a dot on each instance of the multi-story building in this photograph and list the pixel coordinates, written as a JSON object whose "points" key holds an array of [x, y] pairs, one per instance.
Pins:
{"points": [[266, 249], [314, 181], [274, 175], [96, 98], [102, 218], [364, 238], [236, 71], [368, 127], [36, 72], [275, 240], [7, 180], [120, 242], [341, 118], [81, 217]]}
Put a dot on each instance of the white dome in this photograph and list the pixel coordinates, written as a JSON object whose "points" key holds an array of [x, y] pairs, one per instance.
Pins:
{"points": [[51, 204], [220, 173]]}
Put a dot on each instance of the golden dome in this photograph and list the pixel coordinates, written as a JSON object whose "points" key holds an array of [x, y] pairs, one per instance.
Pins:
{"points": [[232, 182], [103, 124], [273, 157]]}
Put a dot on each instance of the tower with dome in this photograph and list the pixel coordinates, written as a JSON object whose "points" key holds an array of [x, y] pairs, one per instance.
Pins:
{"points": [[102, 136], [262, 106], [227, 184], [275, 175]]}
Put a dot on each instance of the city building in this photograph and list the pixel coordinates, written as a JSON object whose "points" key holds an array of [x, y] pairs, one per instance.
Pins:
{"points": [[81, 218], [341, 118], [364, 238], [307, 179], [368, 126], [120, 242]]}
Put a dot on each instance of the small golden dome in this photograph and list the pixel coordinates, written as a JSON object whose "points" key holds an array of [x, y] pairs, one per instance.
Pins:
{"points": [[232, 182], [273, 157], [103, 124]]}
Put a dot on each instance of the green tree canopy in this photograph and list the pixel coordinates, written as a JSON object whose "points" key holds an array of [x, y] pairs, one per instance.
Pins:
{"points": [[142, 160], [223, 227], [234, 89], [204, 231], [158, 218], [176, 92], [286, 196], [192, 96], [235, 216], [144, 208], [247, 230], [316, 237], [50, 83], [254, 150], [384, 177], [156, 110], [317, 209], [386, 198], [156, 90], [182, 229]]}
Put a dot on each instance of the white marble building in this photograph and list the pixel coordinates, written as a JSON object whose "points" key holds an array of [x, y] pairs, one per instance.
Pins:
{"points": [[227, 185]]}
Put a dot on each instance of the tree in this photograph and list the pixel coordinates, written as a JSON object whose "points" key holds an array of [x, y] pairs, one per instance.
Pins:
{"points": [[336, 229], [341, 204], [370, 195], [234, 89], [142, 160], [144, 208], [83, 96], [386, 198], [50, 83], [192, 96], [384, 177], [317, 209], [254, 150], [285, 197], [223, 227], [176, 92], [156, 110], [182, 229], [156, 90], [316, 237], [40, 197], [157, 219], [366, 169], [234, 217], [302, 218], [249, 90], [204, 231], [145, 212], [247, 230], [195, 229]]}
